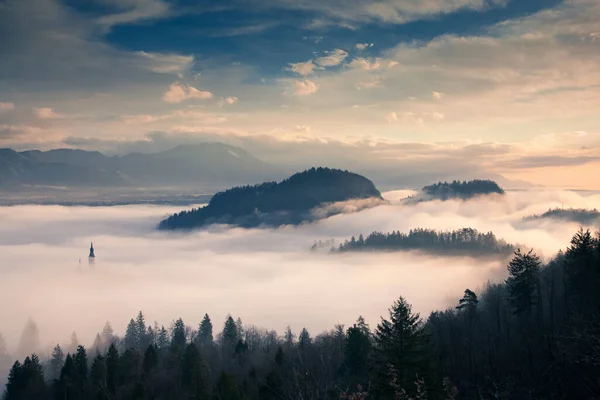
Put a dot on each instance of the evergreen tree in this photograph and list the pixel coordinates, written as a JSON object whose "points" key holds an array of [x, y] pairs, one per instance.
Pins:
{"points": [[304, 340], [150, 358], [468, 303], [401, 343], [56, 362], [194, 373], [289, 338], [112, 369], [356, 354], [131, 335], [523, 281], [81, 370], [107, 334], [583, 271], [163, 338], [205, 332], [230, 333], [98, 376], [67, 383], [142, 339], [178, 336], [15, 383]]}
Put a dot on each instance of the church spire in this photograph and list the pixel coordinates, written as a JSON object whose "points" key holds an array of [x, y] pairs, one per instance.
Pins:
{"points": [[92, 255]]}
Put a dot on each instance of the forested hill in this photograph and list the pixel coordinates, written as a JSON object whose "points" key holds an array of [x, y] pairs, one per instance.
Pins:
{"points": [[462, 189], [463, 242], [578, 215], [275, 204]]}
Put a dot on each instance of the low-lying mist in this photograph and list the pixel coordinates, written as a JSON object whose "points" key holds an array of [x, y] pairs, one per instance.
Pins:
{"points": [[268, 278]]}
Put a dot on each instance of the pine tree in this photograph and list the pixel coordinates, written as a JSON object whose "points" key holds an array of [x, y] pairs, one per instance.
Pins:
{"points": [[178, 336], [15, 383], [131, 335], [523, 281], [142, 339], [150, 359], [356, 354], [98, 376], [230, 333], [402, 344], [205, 332], [163, 338], [107, 334], [67, 383], [468, 303], [583, 271], [289, 338], [112, 369], [304, 340], [194, 373], [81, 370], [56, 362]]}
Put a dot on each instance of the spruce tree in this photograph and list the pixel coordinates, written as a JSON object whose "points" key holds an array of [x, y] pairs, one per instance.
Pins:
{"points": [[523, 281], [205, 332], [230, 333], [163, 339], [356, 354], [112, 369], [56, 362], [401, 343], [193, 370], [131, 335], [178, 337], [304, 340]]}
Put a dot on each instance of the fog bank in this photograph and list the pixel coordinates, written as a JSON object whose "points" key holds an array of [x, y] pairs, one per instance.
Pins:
{"points": [[266, 277]]}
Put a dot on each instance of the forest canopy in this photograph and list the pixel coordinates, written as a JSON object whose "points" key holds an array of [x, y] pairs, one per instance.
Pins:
{"points": [[274, 204], [462, 189], [465, 242], [578, 215]]}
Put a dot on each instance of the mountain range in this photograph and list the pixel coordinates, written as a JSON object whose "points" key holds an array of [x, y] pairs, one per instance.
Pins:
{"points": [[187, 165]]}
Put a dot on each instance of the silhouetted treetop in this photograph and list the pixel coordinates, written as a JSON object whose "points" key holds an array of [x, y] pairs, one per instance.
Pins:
{"points": [[462, 189], [466, 241], [579, 215], [275, 204]]}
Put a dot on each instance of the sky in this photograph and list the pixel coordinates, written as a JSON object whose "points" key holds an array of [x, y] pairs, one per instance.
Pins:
{"points": [[503, 87], [236, 271]]}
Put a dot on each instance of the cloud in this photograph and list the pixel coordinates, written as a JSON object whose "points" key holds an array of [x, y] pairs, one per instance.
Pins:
{"points": [[363, 46], [363, 63], [333, 58], [4, 106], [132, 11], [179, 92], [391, 117], [304, 88], [303, 68], [46, 113], [437, 95], [231, 100], [167, 63]]}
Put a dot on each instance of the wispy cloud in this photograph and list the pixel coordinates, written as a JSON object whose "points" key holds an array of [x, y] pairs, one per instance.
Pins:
{"points": [[6, 106], [332, 58], [46, 113], [178, 92], [304, 88]]}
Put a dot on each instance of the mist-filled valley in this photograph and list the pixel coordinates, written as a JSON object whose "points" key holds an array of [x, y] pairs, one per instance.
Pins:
{"points": [[267, 277]]}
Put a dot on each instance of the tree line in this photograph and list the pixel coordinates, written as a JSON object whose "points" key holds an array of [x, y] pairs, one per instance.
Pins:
{"points": [[462, 189], [466, 241], [534, 336]]}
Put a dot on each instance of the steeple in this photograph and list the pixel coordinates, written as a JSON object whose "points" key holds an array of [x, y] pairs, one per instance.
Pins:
{"points": [[92, 255]]}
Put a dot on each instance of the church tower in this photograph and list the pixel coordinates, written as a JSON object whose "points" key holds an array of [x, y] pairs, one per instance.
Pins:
{"points": [[92, 256]]}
